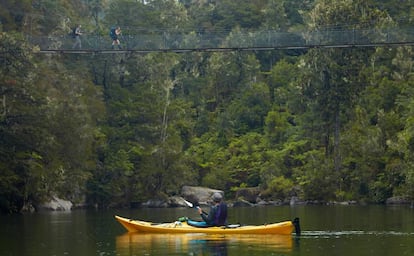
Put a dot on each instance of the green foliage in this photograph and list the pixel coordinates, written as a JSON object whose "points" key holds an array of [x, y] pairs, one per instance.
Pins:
{"points": [[248, 113], [278, 127], [12, 14], [379, 191], [278, 188], [21, 125], [48, 128], [329, 124], [315, 176]]}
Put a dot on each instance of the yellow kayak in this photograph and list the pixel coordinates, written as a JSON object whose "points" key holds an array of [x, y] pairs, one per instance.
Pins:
{"points": [[281, 228]]}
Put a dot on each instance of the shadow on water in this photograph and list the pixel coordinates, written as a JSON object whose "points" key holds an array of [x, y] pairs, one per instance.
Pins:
{"points": [[198, 244]]}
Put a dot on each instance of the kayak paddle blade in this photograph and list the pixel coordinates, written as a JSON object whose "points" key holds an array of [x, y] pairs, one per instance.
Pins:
{"points": [[188, 204]]}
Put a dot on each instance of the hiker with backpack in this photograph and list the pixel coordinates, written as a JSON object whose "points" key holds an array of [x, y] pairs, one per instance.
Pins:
{"points": [[76, 33], [115, 33]]}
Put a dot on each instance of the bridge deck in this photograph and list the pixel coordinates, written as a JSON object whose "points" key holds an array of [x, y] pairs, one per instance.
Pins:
{"points": [[259, 40]]}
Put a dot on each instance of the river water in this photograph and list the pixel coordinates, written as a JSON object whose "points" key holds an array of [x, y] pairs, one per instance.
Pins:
{"points": [[326, 230]]}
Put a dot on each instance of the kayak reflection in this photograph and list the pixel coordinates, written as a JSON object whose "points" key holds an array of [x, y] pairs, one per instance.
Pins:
{"points": [[196, 244]]}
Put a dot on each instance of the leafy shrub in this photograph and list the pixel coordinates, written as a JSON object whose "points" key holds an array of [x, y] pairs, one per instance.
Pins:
{"points": [[278, 188]]}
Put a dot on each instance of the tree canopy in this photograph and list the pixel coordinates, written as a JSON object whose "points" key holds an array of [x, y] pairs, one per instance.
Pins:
{"points": [[109, 130]]}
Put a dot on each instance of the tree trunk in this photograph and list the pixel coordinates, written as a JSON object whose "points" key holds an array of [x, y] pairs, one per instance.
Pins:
{"points": [[337, 152]]}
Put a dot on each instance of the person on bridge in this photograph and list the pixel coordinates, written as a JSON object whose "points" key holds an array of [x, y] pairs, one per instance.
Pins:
{"points": [[115, 33], [76, 34], [216, 217]]}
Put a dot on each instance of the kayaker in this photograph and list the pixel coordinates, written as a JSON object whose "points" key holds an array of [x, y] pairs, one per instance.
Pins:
{"points": [[217, 215]]}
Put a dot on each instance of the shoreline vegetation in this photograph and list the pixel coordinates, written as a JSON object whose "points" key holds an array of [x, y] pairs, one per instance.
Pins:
{"points": [[201, 196], [107, 128], [294, 201], [156, 203]]}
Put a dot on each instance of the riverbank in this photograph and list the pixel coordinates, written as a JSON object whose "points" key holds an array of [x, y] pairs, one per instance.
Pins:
{"points": [[201, 196]]}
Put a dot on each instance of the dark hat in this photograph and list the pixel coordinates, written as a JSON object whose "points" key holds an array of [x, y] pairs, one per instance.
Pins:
{"points": [[217, 197]]}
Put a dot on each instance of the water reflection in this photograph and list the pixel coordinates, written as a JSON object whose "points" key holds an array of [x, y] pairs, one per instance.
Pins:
{"points": [[197, 244], [328, 234]]}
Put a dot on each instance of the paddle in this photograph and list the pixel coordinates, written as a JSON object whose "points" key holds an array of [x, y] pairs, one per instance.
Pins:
{"points": [[296, 224], [191, 205]]}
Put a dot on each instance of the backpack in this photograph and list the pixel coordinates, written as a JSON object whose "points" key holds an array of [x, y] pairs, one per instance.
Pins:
{"points": [[73, 32], [112, 33]]}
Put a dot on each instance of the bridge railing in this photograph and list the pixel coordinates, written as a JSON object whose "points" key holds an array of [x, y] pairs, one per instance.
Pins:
{"points": [[234, 40]]}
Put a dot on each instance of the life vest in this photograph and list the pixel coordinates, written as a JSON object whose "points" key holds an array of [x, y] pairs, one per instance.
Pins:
{"points": [[220, 218]]}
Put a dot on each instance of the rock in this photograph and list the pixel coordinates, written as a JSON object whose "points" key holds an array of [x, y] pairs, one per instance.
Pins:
{"points": [[242, 203], [397, 200], [277, 202], [56, 204], [261, 202], [294, 200], [173, 201], [201, 195], [28, 207], [249, 194], [176, 201], [155, 203]]}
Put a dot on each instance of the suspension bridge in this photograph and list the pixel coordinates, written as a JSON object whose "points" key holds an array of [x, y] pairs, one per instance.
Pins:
{"points": [[164, 41]]}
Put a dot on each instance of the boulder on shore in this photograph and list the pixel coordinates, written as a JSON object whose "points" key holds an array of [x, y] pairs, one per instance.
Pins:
{"points": [[242, 203], [176, 201], [173, 201], [250, 195], [397, 200], [56, 204], [156, 203], [200, 195]]}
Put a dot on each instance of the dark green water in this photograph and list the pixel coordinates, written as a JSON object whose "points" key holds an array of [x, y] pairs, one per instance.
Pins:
{"points": [[326, 230]]}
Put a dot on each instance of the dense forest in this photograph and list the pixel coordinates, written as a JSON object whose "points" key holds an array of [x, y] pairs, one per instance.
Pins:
{"points": [[110, 129]]}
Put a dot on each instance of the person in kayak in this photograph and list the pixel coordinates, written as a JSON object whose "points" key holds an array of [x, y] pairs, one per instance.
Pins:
{"points": [[217, 215]]}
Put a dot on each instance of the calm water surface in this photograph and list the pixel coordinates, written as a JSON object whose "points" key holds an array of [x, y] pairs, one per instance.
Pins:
{"points": [[326, 230]]}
